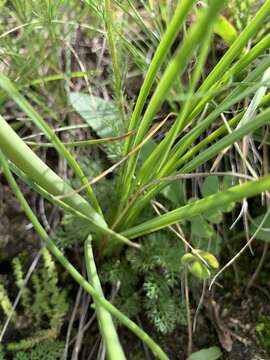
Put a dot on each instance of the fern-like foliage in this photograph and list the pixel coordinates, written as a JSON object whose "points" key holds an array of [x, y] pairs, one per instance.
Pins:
{"points": [[52, 350], [150, 281], [72, 231]]}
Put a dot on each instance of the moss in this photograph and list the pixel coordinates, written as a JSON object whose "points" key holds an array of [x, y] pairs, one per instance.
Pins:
{"points": [[263, 333]]}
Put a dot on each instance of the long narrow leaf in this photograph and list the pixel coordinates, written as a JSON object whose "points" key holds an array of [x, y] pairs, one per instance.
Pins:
{"points": [[107, 328], [234, 194], [14, 94], [27, 161]]}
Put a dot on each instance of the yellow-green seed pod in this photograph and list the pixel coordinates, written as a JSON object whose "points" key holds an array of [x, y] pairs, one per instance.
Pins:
{"points": [[199, 270], [209, 258], [188, 258]]}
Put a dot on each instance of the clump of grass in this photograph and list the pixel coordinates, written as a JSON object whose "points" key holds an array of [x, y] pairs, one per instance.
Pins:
{"points": [[211, 112]]}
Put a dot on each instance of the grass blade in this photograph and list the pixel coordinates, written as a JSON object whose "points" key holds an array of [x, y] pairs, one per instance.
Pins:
{"points": [[234, 194], [107, 329]]}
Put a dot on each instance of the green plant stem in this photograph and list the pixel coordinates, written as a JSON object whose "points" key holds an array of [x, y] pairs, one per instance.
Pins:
{"points": [[234, 194], [11, 90], [226, 141], [160, 154], [157, 351], [162, 50], [37, 171], [25, 159], [107, 329], [209, 139], [236, 96], [80, 142]]}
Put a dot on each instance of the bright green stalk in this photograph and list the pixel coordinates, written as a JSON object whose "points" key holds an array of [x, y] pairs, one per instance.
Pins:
{"points": [[253, 54], [63, 205], [175, 160], [157, 351], [174, 70], [7, 85], [234, 194], [209, 139], [27, 161], [109, 335], [162, 50], [236, 71], [237, 46], [214, 135], [159, 156], [61, 76]]}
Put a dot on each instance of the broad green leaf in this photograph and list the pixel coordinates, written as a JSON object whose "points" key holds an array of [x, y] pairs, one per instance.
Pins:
{"points": [[201, 228], [211, 353], [102, 116], [228, 181], [210, 186], [213, 244], [227, 208]]}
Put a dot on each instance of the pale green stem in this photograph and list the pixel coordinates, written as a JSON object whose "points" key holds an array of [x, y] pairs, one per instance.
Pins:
{"points": [[234, 194], [11, 90], [27, 161], [112, 343], [157, 351]]}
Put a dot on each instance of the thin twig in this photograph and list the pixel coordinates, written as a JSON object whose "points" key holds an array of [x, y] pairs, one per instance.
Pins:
{"points": [[71, 322]]}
